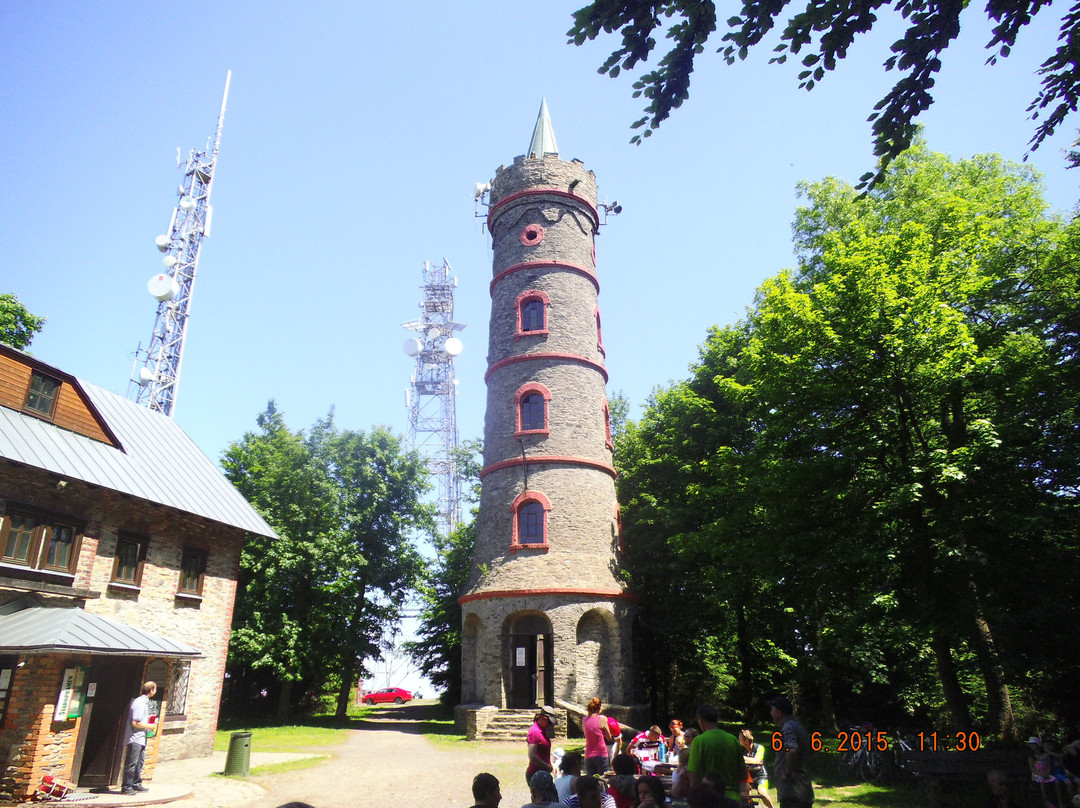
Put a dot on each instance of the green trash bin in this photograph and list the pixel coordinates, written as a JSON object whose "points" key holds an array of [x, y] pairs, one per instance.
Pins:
{"points": [[238, 758]]}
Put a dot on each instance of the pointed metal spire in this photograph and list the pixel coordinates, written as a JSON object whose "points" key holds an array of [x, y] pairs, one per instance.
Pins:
{"points": [[543, 138]]}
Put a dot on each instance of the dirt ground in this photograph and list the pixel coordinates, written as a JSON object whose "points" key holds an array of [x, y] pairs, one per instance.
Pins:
{"points": [[385, 763]]}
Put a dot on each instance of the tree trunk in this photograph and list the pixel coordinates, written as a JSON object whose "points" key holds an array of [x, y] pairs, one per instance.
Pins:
{"points": [[950, 684], [997, 691], [348, 674], [284, 702], [745, 664]]}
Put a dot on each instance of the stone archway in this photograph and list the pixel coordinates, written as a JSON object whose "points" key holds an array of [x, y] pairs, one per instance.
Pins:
{"points": [[528, 673], [594, 662]]}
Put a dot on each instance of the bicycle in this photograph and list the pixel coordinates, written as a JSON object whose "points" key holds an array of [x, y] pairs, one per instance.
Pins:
{"points": [[861, 758]]}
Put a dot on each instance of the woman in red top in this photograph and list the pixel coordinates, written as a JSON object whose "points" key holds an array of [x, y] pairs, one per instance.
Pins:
{"points": [[597, 737], [539, 740]]}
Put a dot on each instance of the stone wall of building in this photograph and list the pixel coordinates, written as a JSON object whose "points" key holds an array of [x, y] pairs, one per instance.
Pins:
{"points": [[30, 743], [592, 654], [543, 221]]}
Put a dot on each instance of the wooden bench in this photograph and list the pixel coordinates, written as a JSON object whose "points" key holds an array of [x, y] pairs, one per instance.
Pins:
{"points": [[933, 769]]}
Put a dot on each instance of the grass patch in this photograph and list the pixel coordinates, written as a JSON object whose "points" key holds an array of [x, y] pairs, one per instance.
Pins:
{"points": [[290, 738]]}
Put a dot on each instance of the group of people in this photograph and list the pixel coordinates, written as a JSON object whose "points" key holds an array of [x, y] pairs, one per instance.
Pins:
{"points": [[715, 769], [1056, 770]]}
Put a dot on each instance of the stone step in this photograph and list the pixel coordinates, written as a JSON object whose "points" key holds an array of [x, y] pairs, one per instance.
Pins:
{"points": [[508, 725]]}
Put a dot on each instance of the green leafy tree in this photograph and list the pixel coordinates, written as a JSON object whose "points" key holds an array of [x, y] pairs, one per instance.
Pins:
{"points": [[874, 372], [17, 325], [314, 604], [437, 649], [821, 34], [858, 495]]}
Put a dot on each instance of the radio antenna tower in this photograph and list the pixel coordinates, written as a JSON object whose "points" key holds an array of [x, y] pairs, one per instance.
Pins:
{"points": [[157, 380], [432, 398]]}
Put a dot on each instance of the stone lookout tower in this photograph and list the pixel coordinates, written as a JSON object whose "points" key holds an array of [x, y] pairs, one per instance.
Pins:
{"points": [[546, 619]]}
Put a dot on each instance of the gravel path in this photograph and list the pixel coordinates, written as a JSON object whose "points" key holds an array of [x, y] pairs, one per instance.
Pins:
{"points": [[387, 762]]}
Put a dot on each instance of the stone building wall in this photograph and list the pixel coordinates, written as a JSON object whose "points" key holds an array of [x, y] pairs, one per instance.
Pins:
{"points": [[30, 743], [543, 220], [592, 654]]}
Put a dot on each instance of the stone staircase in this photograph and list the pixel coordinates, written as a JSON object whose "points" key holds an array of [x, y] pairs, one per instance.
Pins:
{"points": [[507, 725]]}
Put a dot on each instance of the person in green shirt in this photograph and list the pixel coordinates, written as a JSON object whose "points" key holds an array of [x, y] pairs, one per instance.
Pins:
{"points": [[717, 755]]}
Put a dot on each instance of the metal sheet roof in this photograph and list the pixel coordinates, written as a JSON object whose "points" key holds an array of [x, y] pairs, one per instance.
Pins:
{"points": [[158, 462], [543, 138], [36, 628]]}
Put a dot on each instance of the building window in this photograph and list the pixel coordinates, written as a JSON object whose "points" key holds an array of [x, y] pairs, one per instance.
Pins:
{"points": [[38, 541], [21, 536], [531, 402], [532, 235], [607, 428], [532, 308], [176, 692], [530, 512], [618, 529], [59, 548], [532, 316], [8, 666], [128, 564], [599, 336], [532, 412], [192, 571], [41, 397]]}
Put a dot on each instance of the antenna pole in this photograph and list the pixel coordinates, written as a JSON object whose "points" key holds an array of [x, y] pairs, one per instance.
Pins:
{"points": [[155, 384], [432, 399]]}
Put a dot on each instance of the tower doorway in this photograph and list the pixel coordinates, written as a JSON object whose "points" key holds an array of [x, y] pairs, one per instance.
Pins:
{"points": [[532, 662]]}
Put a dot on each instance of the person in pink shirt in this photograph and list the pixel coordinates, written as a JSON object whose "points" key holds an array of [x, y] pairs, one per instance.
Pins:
{"points": [[539, 740], [597, 738]]}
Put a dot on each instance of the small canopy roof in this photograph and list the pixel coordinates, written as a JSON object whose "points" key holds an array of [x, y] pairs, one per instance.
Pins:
{"points": [[543, 139], [27, 626]]}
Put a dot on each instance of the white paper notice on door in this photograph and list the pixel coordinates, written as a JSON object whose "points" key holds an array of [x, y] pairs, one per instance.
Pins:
{"points": [[519, 661]]}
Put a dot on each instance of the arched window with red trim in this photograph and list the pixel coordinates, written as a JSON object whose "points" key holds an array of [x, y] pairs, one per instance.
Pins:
{"points": [[530, 521], [607, 427], [599, 335], [618, 528], [532, 310], [531, 404]]}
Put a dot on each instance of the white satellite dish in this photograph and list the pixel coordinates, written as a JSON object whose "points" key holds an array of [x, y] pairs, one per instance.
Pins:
{"points": [[432, 333], [456, 382], [163, 287], [187, 203], [453, 346], [412, 346], [169, 261], [145, 376], [162, 243], [481, 189]]}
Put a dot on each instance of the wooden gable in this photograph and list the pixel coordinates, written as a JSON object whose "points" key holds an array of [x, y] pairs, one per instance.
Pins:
{"points": [[72, 410]]}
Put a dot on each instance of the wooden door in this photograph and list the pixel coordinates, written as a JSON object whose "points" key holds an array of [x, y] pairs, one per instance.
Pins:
{"points": [[100, 748], [522, 671]]}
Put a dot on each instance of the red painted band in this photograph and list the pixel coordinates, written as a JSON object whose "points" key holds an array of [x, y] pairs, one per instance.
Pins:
{"points": [[513, 360], [568, 461], [543, 192], [514, 593], [510, 270]]}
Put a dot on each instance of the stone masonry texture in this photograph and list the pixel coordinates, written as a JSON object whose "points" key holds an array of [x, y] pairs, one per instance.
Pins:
{"points": [[30, 743], [543, 223]]}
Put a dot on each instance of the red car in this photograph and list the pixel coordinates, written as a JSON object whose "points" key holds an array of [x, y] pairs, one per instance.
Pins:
{"points": [[388, 694]]}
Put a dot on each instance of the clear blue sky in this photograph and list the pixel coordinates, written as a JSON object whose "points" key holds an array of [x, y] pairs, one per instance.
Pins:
{"points": [[354, 136]]}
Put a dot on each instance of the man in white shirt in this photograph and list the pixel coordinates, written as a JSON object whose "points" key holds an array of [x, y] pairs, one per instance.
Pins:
{"points": [[139, 723]]}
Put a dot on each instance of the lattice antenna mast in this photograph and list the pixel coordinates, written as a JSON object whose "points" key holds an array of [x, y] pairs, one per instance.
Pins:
{"points": [[157, 380], [432, 398]]}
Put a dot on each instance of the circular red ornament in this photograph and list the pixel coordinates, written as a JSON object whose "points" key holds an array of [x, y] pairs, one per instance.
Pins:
{"points": [[532, 235]]}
